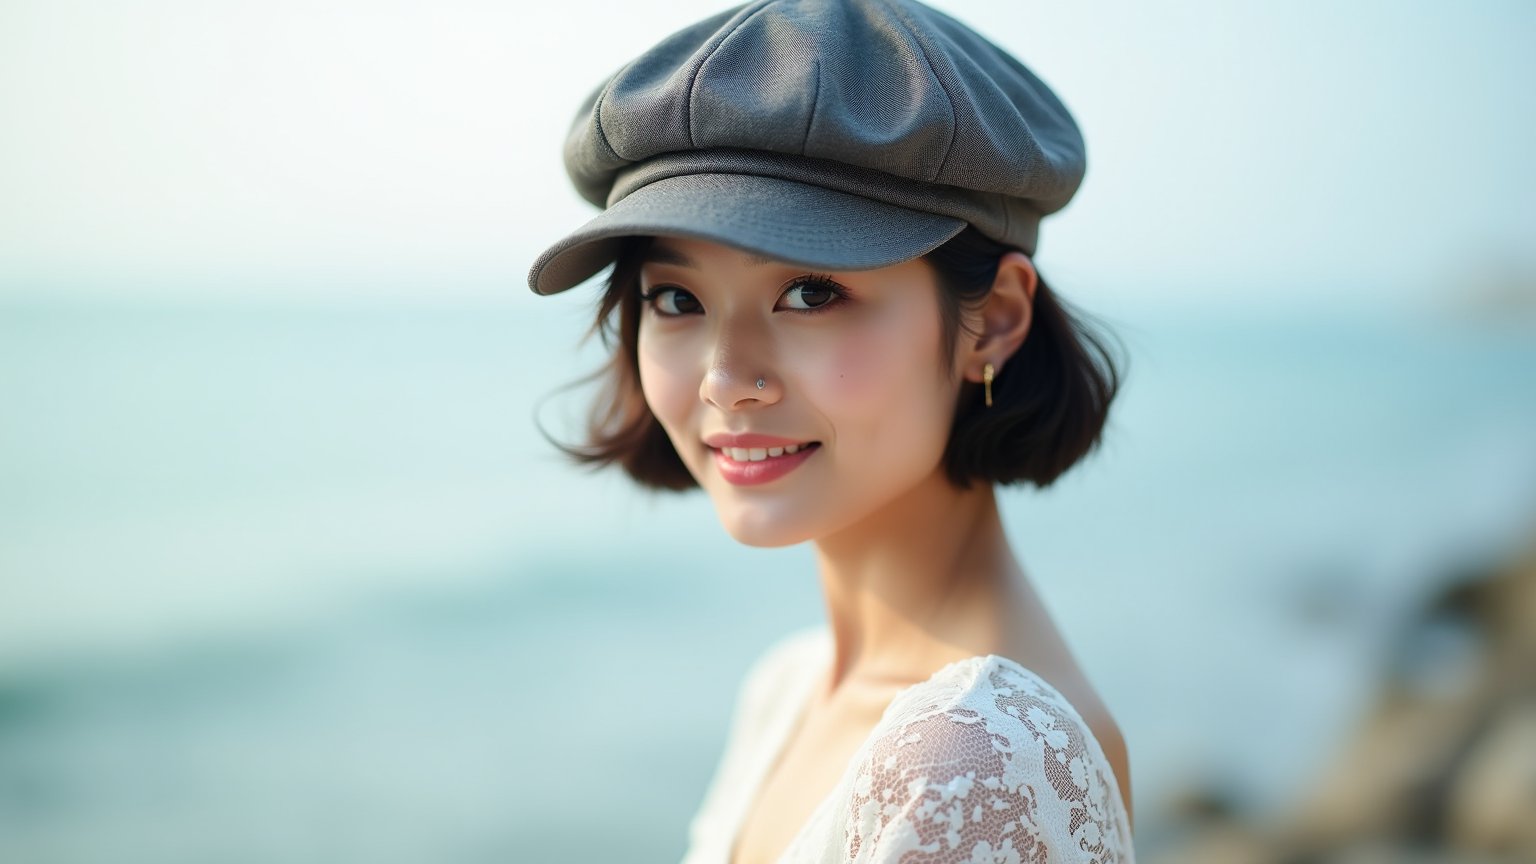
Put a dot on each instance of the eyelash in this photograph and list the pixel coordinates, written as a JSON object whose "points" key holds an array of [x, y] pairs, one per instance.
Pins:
{"points": [[839, 295], [839, 292]]}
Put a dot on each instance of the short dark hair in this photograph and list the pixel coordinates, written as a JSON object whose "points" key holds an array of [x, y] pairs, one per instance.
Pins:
{"points": [[1048, 411]]}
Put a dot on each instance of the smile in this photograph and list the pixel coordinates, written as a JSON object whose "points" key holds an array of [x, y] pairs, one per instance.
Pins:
{"points": [[758, 454], [754, 465]]}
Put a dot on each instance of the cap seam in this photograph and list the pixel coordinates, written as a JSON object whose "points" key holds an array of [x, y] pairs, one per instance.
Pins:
{"points": [[954, 114], [621, 178], [597, 121], [805, 140], [693, 79]]}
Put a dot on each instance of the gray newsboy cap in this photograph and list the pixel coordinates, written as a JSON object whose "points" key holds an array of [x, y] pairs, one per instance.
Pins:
{"points": [[838, 134]]}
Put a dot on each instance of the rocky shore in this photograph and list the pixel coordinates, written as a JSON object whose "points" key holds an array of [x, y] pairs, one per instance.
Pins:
{"points": [[1442, 767]]}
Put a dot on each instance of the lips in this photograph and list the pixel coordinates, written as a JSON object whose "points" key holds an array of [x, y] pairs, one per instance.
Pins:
{"points": [[749, 440], [750, 458]]}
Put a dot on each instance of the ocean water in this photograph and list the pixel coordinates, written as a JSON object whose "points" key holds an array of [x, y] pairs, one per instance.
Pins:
{"points": [[303, 584]]}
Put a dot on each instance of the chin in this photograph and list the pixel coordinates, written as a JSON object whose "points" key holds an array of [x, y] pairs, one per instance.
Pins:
{"points": [[753, 526]]}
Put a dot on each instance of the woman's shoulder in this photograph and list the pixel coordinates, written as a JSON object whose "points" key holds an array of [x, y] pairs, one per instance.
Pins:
{"points": [[789, 653], [986, 758], [782, 666]]}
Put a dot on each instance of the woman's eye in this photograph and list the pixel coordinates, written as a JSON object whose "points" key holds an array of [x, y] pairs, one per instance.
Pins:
{"points": [[672, 301], [811, 294]]}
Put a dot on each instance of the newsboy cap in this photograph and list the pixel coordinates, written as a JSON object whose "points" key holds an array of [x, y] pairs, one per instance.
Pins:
{"points": [[836, 134]]}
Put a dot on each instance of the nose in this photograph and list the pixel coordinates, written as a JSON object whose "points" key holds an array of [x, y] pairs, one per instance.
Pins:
{"points": [[737, 363]]}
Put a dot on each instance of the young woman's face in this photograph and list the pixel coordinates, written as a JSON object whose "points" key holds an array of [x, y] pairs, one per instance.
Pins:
{"points": [[852, 371]]}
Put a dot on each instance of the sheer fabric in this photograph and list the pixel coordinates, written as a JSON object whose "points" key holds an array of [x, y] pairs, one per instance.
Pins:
{"points": [[983, 763]]}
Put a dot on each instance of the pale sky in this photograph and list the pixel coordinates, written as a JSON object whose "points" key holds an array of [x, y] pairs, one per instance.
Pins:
{"points": [[1282, 152]]}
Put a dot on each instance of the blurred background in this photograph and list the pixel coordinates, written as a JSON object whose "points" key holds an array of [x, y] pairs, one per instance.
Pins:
{"points": [[287, 572]]}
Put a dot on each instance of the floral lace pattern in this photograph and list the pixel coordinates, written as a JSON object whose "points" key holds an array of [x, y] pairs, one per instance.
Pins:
{"points": [[983, 763], [985, 770]]}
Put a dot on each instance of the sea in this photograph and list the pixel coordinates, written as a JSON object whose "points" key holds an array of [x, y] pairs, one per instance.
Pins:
{"points": [[307, 583]]}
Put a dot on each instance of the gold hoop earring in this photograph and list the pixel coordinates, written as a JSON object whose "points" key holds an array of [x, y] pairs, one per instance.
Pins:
{"points": [[986, 377]]}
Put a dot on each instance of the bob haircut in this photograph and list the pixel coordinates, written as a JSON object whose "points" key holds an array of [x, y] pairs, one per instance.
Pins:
{"points": [[1048, 411]]}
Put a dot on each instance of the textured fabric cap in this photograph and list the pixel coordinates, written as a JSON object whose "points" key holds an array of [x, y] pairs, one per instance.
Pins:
{"points": [[839, 134]]}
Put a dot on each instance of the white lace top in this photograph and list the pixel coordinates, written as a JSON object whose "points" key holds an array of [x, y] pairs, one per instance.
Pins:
{"points": [[983, 762]]}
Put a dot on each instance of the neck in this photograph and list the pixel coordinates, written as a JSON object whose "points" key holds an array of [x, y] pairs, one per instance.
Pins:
{"points": [[922, 581]]}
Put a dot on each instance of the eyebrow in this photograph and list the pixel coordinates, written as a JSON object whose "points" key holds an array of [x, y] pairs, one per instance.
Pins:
{"points": [[667, 255]]}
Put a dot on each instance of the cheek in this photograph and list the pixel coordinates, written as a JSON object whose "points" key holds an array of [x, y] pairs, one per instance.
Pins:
{"points": [[882, 391], [885, 363], [667, 389]]}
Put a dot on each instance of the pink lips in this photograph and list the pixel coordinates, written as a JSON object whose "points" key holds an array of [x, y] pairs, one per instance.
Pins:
{"points": [[762, 471]]}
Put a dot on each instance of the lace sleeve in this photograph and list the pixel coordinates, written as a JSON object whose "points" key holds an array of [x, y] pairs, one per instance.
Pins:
{"points": [[1005, 775]]}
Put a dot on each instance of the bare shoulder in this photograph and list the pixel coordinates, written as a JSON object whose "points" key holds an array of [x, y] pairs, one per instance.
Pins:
{"points": [[784, 659]]}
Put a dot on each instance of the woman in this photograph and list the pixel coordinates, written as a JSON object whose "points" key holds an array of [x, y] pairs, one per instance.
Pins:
{"points": [[820, 216]]}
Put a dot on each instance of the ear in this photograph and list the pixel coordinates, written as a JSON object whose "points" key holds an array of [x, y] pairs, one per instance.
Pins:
{"points": [[1004, 319]]}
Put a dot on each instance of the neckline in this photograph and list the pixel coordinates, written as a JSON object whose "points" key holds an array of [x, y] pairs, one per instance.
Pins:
{"points": [[787, 729]]}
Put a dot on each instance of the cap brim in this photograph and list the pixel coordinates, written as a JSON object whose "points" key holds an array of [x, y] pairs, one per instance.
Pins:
{"points": [[797, 223]]}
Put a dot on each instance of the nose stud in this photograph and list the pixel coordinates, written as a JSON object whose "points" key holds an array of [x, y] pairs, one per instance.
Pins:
{"points": [[761, 383]]}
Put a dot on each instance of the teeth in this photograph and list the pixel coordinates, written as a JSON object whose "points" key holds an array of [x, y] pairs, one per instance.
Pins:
{"points": [[758, 454]]}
